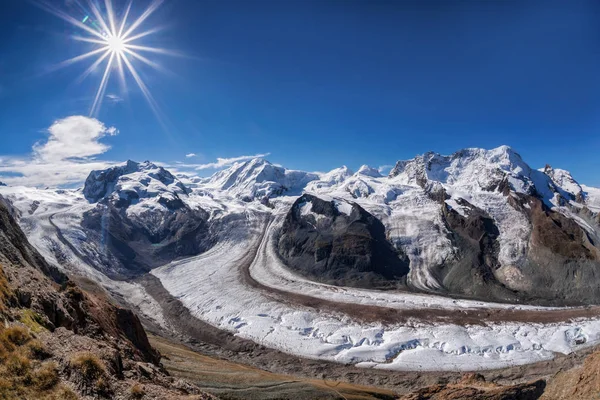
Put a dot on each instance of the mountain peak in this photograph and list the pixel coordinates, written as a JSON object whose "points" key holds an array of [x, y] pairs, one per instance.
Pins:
{"points": [[369, 171], [258, 178], [469, 168], [144, 179]]}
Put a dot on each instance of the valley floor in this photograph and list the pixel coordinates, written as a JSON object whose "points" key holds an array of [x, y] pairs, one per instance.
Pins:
{"points": [[230, 380]]}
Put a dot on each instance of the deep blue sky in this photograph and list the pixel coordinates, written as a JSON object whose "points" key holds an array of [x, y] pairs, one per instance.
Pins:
{"points": [[323, 83]]}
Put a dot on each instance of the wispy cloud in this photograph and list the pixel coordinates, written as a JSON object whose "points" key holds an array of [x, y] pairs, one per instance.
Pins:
{"points": [[190, 155], [113, 98], [385, 169], [65, 158], [226, 162]]}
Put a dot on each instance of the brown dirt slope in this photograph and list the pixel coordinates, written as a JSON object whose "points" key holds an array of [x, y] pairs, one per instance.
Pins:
{"points": [[580, 383], [474, 387], [231, 380]]}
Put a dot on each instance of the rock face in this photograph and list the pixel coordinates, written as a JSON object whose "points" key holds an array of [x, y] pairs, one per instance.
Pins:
{"points": [[563, 258], [339, 242], [70, 342], [141, 219], [475, 235]]}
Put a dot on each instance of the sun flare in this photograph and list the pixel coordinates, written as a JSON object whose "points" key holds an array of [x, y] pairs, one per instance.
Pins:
{"points": [[116, 43]]}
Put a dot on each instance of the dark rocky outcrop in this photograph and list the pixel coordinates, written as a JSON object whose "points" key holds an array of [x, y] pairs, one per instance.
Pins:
{"points": [[133, 245], [563, 259], [475, 234], [334, 247]]}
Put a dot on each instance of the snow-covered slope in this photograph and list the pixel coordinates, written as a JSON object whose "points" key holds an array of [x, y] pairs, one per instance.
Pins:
{"points": [[478, 223], [592, 197], [258, 179]]}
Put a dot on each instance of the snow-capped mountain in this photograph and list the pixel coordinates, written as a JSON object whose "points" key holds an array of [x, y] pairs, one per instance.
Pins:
{"points": [[258, 179], [479, 223]]}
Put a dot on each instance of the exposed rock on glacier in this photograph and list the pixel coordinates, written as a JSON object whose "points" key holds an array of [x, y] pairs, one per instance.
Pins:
{"points": [[339, 242]]}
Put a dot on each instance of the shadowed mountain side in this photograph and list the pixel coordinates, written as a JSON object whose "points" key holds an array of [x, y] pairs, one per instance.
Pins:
{"points": [[339, 242]]}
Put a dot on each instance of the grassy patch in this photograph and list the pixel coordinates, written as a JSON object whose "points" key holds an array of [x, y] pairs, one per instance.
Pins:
{"points": [[137, 391], [5, 292], [32, 320], [22, 373], [15, 335], [89, 365], [37, 350], [46, 377]]}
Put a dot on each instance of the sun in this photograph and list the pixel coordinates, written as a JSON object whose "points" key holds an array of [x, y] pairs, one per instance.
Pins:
{"points": [[116, 44]]}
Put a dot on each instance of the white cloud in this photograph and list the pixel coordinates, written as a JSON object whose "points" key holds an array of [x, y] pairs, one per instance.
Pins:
{"points": [[66, 157], [190, 155], [226, 162]]}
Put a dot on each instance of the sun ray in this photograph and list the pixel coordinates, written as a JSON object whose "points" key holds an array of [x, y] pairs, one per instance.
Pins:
{"points": [[92, 67], [141, 35], [111, 16], [142, 17], [121, 70], [118, 46], [124, 21], [105, 30], [88, 40], [77, 59], [149, 98], [102, 88], [143, 59], [69, 19], [154, 50]]}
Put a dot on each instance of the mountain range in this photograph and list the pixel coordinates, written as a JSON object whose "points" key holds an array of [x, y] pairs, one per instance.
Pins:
{"points": [[478, 223]]}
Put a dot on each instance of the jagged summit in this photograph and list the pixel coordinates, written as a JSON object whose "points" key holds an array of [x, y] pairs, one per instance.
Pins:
{"points": [[132, 181], [473, 169], [259, 179], [565, 181]]}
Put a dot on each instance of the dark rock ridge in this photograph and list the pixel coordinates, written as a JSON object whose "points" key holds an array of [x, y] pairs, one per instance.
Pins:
{"points": [[346, 248], [563, 259], [472, 273]]}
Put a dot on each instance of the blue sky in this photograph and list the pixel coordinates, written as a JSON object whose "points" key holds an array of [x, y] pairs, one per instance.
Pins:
{"points": [[318, 84]]}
